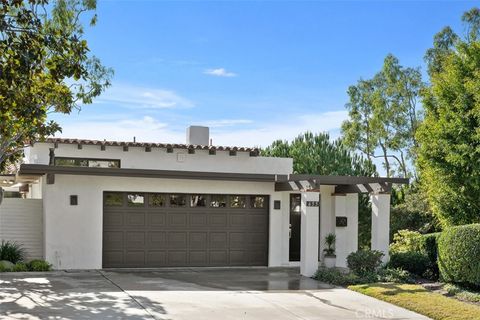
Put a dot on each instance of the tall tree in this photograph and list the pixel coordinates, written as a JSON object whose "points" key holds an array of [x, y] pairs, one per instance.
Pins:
{"points": [[449, 137], [318, 154], [384, 116], [45, 66]]}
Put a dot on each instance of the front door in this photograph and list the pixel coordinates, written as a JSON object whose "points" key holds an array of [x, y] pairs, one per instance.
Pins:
{"points": [[294, 231]]}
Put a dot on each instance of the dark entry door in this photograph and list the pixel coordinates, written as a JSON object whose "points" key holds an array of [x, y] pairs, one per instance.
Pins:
{"points": [[178, 230], [295, 218]]}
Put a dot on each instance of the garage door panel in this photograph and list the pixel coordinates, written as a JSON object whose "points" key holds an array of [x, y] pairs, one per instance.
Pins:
{"points": [[159, 234], [113, 219], [216, 220], [218, 257], [134, 219], [198, 220], [238, 240], [218, 240], [113, 258], [198, 240], [256, 257], [156, 219], [156, 240], [256, 239], [238, 221], [156, 258], [198, 258], [257, 222], [177, 220], [177, 258], [177, 240], [134, 258], [135, 240], [238, 258], [113, 239]]}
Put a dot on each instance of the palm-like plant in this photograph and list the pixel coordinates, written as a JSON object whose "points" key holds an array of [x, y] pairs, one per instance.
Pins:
{"points": [[12, 251], [330, 243]]}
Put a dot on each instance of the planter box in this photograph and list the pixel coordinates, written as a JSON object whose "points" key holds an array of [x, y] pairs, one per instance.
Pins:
{"points": [[329, 261]]}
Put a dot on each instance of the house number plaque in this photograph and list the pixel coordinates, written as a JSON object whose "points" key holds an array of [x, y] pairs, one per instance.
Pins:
{"points": [[313, 203], [341, 221]]}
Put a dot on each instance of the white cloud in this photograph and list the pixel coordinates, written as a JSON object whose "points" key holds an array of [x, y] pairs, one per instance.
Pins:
{"points": [[223, 123], [146, 129], [227, 132], [149, 98], [220, 72], [265, 133]]}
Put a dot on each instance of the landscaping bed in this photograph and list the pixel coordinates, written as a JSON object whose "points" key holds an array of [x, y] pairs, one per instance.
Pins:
{"points": [[436, 275], [12, 259], [417, 298]]}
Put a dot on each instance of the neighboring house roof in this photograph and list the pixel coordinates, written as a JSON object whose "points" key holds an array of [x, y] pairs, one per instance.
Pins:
{"points": [[254, 151]]}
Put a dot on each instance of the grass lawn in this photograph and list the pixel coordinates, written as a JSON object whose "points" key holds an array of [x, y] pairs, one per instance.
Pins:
{"points": [[416, 298]]}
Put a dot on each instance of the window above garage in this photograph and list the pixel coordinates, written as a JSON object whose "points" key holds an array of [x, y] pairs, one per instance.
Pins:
{"points": [[181, 200], [87, 162]]}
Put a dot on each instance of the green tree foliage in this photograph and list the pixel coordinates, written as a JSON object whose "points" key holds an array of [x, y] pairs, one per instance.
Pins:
{"points": [[412, 212], [384, 117], [449, 137], [45, 66], [318, 154]]}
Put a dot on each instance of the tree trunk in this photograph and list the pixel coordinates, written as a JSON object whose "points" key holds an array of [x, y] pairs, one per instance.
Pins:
{"points": [[385, 157]]}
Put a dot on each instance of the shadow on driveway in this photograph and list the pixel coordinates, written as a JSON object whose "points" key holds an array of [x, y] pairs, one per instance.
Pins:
{"points": [[184, 294]]}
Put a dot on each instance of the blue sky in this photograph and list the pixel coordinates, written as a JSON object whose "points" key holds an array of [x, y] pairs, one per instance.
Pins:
{"points": [[254, 71]]}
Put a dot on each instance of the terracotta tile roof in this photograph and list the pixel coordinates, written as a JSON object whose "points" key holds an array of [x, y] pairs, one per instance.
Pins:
{"points": [[255, 151]]}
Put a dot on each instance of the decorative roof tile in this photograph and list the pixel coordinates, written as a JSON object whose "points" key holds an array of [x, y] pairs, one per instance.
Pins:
{"points": [[254, 151]]}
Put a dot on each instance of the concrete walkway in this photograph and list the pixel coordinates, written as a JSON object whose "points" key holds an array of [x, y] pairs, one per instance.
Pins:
{"points": [[196, 294]]}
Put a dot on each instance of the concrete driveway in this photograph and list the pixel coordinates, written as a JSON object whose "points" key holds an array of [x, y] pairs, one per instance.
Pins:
{"points": [[250, 293]]}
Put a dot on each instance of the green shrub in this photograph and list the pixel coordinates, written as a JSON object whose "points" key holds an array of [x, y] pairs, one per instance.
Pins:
{"points": [[459, 255], [11, 251], [364, 262], [462, 293], [396, 275], [430, 248], [412, 241], [414, 262], [20, 267], [4, 268], [336, 277], [405, 241], [39, 265]]}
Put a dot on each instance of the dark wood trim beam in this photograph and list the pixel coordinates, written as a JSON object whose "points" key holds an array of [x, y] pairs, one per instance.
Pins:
{"points": [[39, 169], [348, 180], [365, 188]]}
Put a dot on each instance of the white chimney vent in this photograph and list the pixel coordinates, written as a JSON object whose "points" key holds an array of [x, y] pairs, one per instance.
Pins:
{"points": [[198, 135]]}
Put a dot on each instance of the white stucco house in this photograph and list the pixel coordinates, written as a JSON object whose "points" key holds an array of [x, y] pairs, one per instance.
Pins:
{"points": [[108, 204]]}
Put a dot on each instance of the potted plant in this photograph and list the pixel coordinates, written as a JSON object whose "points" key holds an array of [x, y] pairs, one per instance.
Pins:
{"points": [[329, 257]]}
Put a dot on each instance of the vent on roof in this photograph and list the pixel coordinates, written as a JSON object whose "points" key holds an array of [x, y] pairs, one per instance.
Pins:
{"points": [[198, 135]]}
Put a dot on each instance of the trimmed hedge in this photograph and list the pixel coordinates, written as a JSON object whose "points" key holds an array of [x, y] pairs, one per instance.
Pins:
{"points": [[364, 262], [414, 262], [430, 247], [459, 255]]}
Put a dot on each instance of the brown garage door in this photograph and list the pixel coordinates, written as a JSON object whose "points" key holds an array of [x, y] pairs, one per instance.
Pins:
{"points": [[159, 230]]}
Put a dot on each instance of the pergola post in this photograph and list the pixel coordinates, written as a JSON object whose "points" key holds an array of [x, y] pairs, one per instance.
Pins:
{"points": [[309, 233], [346, 207], [381, 223]]}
